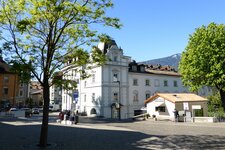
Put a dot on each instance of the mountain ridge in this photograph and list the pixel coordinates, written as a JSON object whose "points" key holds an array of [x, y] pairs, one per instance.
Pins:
{"points": [[172, 60]]}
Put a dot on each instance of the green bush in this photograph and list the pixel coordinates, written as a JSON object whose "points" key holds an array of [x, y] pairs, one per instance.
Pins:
{"points": [[215, 108]]}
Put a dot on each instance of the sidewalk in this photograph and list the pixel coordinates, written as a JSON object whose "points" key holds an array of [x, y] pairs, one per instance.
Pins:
{"points": [[107, 134], [22, 135]]}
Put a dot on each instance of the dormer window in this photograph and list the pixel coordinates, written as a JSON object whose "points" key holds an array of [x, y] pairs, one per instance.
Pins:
{"points": [[142, 69], [134, 68], [115, 58]]}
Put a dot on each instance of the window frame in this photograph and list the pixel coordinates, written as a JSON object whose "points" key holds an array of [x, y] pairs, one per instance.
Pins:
{"points": [[147, 95], [93, 97], [135, 82], [160, 108], [157, 83], [85, 98], [147, 83], [165, 83], [115, 77], [115, 96], [6, 79], [93, 78], [134, 68], [142, 68], [175, 84], [115, 58], [135, 96], [5, 90]]}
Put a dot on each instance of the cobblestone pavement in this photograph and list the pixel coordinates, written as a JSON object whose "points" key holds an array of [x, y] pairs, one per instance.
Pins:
{"points": [[106, 134]]}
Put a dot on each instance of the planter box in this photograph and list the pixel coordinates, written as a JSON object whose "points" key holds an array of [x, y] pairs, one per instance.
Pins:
{"points": [[205, 119]]}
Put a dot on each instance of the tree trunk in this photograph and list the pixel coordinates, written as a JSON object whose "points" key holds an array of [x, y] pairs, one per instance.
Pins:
{"points": [[222, 96], [44, 127]]}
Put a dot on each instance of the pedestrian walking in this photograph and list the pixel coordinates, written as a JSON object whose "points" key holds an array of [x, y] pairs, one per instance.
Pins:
{"points": [[61, 115], [68, 115], [176, 115]]}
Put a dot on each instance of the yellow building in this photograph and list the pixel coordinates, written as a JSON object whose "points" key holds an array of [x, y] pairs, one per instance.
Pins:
{"points": [[9, 85]]}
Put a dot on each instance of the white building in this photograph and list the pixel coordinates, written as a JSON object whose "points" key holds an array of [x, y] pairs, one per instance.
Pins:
{"points": [[162, 105], [119, 87], [55, 95]]}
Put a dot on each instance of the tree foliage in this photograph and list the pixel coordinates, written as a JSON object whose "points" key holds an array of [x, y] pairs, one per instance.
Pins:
{"points": [[202, 63], [44, 34], [215, 108], [23, 70]]}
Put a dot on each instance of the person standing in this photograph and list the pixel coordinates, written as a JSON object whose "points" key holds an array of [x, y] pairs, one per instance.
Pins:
{"points": [[61, 117], [76, 117], [72, 117]]}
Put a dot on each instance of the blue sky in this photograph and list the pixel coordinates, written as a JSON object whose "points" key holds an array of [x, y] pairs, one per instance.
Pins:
{"points": [[159, 28]]}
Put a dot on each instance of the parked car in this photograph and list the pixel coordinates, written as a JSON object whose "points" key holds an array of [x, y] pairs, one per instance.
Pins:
{"points": [[13, 109], [40, 109], [28, 112], [54, 107], [35, 111]]}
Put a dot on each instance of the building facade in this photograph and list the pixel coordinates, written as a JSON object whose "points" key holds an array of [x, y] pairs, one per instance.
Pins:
{"points": [[36, 94], [13, 91], [145, 81], [55, 95], [119, 87]]}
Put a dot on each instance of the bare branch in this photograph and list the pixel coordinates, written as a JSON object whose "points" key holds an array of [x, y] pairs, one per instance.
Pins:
{"points": [[85, 3]]}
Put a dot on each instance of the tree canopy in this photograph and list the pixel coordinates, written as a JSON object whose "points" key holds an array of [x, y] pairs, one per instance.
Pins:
{"points": [[44, 34], [45, 31], [215, 108], [202, 63]]}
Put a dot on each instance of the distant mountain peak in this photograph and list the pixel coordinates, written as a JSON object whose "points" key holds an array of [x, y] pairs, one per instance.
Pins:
{"points": [[172, 60], [177, 56]]}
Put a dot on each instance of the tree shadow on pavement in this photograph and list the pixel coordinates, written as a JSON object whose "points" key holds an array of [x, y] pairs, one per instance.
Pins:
{"points": [[26, 137], [99, 120], [183, 142]]}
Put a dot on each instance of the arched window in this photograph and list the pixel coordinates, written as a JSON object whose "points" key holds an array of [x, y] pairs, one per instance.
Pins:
{"points": [[93, 111]]}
